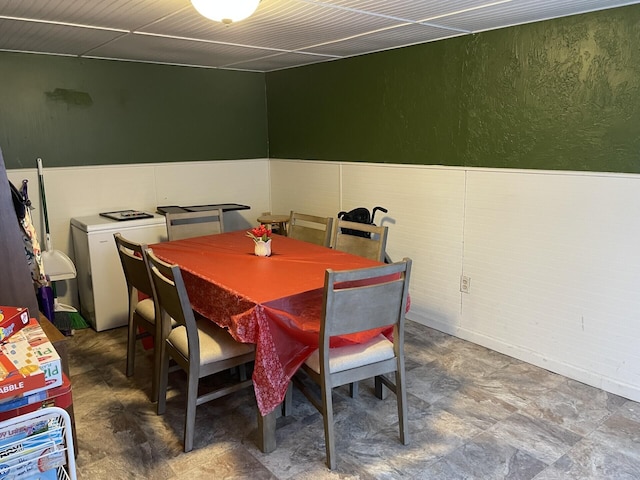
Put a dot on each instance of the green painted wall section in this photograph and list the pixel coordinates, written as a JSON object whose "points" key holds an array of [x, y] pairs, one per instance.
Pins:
{"points": [[561, 94], [73, 111]]}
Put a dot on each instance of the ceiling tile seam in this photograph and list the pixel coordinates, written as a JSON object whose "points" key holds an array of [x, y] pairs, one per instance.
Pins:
{"points": [[429, 20], [466, 10], [63, 24], [267, 57], [203, 40], [161, 18], [252, 47], [404, 21], [371, 32], [32, 52], [107, 42], [157, 62]]}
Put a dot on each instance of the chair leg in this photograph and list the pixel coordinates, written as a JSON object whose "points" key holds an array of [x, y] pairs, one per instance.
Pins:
{"points": [[327, 413], [131, 346], [163, 383], [401, 398], [158, 355], [190, 415], [353, 389], [242, 372], [381, 391]]}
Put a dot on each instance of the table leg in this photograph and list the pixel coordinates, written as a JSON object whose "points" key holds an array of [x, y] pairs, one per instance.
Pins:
{"points": [[267, 431], [267, 424], [287, 405]]}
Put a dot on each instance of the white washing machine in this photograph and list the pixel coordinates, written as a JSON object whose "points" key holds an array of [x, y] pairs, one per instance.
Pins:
{"points": [[101, 285]]}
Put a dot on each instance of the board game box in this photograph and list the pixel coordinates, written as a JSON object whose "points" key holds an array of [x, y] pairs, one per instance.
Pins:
{"points": [[12, 319], [48, 358], [20, 371]]}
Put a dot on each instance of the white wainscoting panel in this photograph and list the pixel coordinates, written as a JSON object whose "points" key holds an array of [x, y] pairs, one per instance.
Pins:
{"points": [[555, 267], [80, 191], [201, 183], [305, 186], [553, 258], [425, 212]]}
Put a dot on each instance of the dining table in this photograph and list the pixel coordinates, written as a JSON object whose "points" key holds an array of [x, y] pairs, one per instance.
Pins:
{"points": [[273, 302]]}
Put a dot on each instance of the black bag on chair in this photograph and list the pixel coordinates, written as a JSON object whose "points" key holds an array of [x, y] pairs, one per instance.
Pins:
{"points": [[359, 215]]}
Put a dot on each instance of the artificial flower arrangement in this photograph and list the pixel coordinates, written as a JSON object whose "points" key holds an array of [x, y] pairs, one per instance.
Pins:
{"points": [[261, 233]]}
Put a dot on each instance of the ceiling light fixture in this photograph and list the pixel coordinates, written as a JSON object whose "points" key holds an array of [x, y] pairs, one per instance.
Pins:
{"points": [[226, 11]]}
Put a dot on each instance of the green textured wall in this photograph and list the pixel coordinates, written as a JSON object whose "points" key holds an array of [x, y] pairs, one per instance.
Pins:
{"points": [[73, 111], [561, 94]]}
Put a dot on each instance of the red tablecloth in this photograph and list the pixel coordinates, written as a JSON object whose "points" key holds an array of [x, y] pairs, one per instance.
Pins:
{"points": [[274, 302]]}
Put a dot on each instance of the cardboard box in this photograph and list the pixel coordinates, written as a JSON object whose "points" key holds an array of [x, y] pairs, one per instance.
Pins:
{"points": [[20, 370], [46, 354], [52, 397], [12, 319]]}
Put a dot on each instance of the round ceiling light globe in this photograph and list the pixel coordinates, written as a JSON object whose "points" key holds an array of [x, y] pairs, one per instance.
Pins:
{"points": [[226, 11]]}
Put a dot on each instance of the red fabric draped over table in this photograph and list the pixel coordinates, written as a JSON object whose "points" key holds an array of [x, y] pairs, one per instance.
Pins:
{"points": [[274, 302]]}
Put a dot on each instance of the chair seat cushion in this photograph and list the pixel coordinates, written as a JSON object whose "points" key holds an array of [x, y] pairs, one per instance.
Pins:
{"points": [[215, 342], [146, 310], [352, 356]]}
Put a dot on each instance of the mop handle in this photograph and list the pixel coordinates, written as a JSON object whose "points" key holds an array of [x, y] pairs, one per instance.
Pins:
{"points": [[44, 204]]}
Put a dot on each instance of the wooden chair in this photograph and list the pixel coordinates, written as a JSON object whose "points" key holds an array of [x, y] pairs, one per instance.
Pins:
{"points": [[358, 309], [369, 241], [194, 224], [310, 228], [199, 347], [372, 247], [142, 315]]}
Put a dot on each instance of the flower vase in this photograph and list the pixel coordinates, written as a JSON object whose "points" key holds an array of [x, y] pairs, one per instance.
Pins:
{"points": [[262, 248]]}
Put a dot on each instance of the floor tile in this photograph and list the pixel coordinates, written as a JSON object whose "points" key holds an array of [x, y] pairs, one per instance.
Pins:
{"points": [[473, 414]]}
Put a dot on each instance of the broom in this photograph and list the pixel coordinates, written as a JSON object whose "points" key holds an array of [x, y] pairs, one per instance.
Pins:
{"points": [[66, 318]]}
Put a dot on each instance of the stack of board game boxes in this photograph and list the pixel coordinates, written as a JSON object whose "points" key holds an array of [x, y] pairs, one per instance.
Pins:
{"points": [[30, 369]]}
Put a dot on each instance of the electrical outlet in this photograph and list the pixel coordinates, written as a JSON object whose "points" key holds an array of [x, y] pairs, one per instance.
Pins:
{"points": [[465, 284]]}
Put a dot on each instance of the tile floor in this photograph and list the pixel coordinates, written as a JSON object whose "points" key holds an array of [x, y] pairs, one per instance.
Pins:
{"points": [[473, 414]]}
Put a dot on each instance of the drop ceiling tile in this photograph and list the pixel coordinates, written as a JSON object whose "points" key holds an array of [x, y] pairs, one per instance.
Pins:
{"points": [[55, 39], [118, 14], [279, 62], [147, 48], [407, 34]]}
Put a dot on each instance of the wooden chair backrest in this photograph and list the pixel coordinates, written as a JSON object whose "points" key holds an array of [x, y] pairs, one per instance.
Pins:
{"points": [[194, 224], [134, 264], [173, 301], [310, 228], [364, 299], [372, 248]]}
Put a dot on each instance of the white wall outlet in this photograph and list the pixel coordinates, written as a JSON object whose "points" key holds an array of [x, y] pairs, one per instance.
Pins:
{"points": [[465, 284]]}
